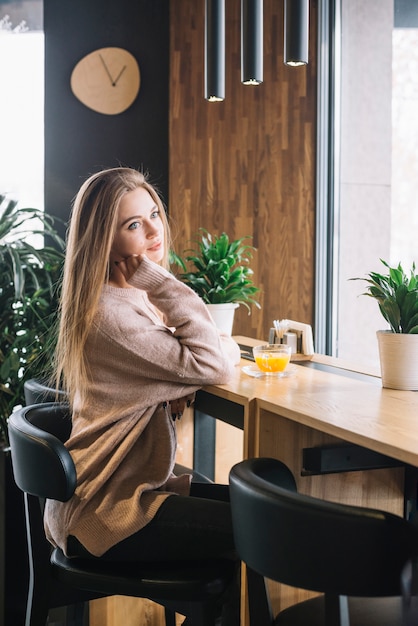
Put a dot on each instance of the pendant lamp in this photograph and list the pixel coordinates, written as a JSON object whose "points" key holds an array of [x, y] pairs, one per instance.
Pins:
{"points": [[215, 50], [296, 32], [251, 42]]}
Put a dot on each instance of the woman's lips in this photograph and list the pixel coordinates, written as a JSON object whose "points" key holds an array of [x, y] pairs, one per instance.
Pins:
{"points": [[155, 247]]}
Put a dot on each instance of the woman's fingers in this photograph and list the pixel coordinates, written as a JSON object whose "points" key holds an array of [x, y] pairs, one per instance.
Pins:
{"points": [[178, 405], [128, 266]]}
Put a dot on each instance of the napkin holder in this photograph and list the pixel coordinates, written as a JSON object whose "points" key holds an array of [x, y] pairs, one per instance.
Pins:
{"points": [[297, 334]]}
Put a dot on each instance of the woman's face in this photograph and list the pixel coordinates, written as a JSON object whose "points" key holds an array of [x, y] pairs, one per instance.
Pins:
{"points": [[140, 229]]}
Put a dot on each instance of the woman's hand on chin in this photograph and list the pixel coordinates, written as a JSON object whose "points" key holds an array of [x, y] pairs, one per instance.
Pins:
{"points": [[123, 270]]}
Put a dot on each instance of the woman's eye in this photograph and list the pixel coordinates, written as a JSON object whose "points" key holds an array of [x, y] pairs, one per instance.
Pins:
{"points": [[134, 225], [155, 214]]}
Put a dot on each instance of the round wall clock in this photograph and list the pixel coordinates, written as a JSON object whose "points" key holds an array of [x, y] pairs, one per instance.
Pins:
{"points": [[107, 80]]}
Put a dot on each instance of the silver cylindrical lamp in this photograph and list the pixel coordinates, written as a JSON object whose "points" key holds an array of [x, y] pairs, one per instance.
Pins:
{"points": [[296, 32], [215, 50], [251, 42]]}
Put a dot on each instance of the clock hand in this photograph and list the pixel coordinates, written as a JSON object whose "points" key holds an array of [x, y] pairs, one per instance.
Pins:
{"points": [[107, 70], [119, 75]]}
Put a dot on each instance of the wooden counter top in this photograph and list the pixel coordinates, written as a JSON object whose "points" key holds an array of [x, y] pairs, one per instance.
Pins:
{"points": [[356, 410]]}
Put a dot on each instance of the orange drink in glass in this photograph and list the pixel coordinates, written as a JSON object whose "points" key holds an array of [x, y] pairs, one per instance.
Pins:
{"points": [[272, 358]]}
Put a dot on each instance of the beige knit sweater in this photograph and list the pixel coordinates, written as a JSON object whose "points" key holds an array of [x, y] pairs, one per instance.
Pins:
{"points": [[123, 440]]}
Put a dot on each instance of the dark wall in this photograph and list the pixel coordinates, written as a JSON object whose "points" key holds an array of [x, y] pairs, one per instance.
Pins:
{"points": [[79, 141]]}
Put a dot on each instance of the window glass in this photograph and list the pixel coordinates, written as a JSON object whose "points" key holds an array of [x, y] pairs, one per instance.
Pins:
{"points": [[22, 103], [377, 216]]}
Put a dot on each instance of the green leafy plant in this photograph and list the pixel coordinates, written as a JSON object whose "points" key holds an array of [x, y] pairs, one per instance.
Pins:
{"points": [[29, 279], [397, 296], [219, 269]]}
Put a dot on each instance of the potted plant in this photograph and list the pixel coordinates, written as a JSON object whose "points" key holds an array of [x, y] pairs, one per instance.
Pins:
{"points": [[218, 270], [28, 304], [396, 293], [28, 299]]}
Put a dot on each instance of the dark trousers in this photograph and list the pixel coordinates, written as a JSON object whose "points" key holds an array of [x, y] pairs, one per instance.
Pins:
{"points": [[191, 527], [197, 526]]}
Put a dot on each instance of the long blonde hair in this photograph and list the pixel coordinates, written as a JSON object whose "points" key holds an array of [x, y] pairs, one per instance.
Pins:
{"points": [[92, 228]]}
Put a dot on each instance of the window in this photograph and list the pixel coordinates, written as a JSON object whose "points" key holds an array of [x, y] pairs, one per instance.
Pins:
{"points": [[22, 106], [371, 195]]}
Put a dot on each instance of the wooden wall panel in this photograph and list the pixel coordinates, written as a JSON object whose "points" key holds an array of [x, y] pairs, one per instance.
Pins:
{"points": [[247, 165]]}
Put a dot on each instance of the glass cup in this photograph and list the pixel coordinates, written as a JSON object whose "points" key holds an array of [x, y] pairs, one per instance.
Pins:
{"points": [[272, 358]]}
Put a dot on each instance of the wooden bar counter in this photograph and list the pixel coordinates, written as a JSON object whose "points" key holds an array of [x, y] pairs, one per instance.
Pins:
{"points": [[344, 437], [325, 395]]}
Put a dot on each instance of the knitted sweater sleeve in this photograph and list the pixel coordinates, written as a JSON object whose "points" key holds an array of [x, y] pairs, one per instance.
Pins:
{"points": [[187, 351]]}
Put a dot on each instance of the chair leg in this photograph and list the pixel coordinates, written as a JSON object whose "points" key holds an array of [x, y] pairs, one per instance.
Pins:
{"points": [[36, 612], [37, 606], [336, 610], [201, 614], [170, 617], [77, 612], [259, 607], [409, 586]]}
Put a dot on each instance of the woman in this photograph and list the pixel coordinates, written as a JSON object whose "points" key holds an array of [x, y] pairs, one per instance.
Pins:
{"points": [[134, 345]]}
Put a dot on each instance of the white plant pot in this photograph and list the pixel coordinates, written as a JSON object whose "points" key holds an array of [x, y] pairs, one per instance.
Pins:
{"points": [[223, 315], [398, 360]]}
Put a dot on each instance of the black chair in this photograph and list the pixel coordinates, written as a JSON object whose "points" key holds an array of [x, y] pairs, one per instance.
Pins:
{"points": [[351, 555], [43, 468], [37, 391]]}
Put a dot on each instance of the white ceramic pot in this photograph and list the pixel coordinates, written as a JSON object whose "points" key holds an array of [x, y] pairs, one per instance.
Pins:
{"points": [[398, 360], [223, 315]]}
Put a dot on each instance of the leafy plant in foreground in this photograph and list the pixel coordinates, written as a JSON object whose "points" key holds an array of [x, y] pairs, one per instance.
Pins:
{"points": [[29, 279]]}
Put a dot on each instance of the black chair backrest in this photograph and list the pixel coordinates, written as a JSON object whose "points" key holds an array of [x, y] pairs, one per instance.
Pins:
{"points": [[42, 466], [314, 544], [37, 391]]}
